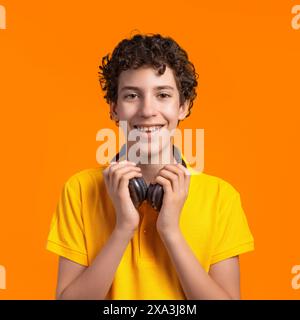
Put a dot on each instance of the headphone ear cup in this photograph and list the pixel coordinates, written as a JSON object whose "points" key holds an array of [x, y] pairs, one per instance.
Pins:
{"points": [[155, 195], [137, 190]]}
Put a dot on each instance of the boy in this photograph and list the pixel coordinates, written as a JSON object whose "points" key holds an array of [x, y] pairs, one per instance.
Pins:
{"points": [[108, 248]]}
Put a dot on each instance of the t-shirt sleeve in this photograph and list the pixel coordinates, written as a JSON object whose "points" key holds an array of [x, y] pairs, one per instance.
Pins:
{"points": [[66, 237], [232, 235]]}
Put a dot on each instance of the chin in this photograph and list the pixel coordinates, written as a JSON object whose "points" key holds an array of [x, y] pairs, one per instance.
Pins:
{"points": [[155, 151]]}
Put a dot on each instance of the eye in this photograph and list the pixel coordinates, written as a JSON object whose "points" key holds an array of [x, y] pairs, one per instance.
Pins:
{"points": [[130, 96], [164, 95]]}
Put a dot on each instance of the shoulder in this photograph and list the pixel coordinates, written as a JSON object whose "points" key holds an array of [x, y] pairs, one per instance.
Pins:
{"points": [[213, 191], [85, 177], [203, 182]]}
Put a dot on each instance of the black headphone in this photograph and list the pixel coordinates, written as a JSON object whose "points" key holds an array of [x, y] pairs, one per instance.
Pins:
{"points": [[139, 191]]}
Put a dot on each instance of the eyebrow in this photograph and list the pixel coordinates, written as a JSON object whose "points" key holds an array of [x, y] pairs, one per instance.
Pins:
{"points": [[138, 89]]}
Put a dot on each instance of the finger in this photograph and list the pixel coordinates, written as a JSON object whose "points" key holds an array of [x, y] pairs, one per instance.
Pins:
{"points": [[121, 163], [187, 176], [105, 173], [117, 165], [183, 168], [166, 184], [124, 166], [124, 180], [175, 169], [172, 177], [118, 173]]}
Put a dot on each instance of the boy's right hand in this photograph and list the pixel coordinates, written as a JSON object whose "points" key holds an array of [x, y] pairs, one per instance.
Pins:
{"points": [[116, 177]]}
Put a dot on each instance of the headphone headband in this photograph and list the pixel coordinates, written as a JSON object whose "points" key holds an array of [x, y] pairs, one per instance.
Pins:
{"points": [[176, 153]]}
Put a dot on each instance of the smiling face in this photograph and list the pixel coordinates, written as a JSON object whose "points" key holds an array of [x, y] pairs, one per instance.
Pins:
{"points": [[148, 102]]}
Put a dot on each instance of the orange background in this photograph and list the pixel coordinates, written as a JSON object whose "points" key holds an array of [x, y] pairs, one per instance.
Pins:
{"points": [[248, 59]]}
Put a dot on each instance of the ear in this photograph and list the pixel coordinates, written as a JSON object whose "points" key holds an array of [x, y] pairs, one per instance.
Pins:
{"points": [[183, 110], [113, 110]]}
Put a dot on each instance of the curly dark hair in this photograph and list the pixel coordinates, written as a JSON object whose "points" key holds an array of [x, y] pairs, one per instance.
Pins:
{"points": [[153, 50]]}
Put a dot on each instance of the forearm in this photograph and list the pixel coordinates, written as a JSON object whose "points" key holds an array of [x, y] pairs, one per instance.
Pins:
{"points": [[94, 282], [195, 281]]}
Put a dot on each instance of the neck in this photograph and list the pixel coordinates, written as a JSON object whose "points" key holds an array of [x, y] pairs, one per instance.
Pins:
{"points": [[150, 170]]}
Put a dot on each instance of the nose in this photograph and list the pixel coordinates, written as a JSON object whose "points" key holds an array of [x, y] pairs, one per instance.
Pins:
{"points": [[147, 107]]}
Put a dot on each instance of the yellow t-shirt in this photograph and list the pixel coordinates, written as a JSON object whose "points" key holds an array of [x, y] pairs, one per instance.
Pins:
{"points": [[212, 222]]}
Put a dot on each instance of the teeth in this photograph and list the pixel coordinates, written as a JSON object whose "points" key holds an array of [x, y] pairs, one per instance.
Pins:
{"points": [[148, 129]]}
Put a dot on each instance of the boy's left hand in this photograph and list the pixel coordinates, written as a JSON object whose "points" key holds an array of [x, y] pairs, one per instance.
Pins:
{"points": [[175, 179]]}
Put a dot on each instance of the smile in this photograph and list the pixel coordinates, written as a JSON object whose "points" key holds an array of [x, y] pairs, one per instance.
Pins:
{"points": [[148, 129]]}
